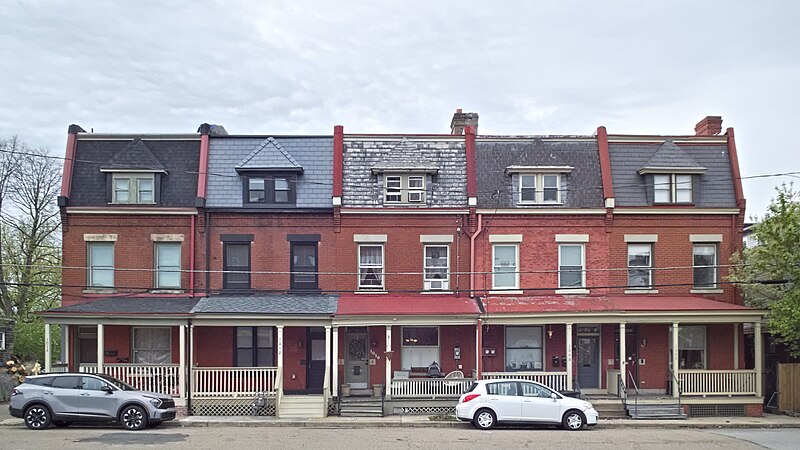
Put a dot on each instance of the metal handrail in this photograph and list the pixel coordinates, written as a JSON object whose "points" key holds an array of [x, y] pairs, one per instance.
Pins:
{"points": [[677, 383], [636, 390], [622, 391]]}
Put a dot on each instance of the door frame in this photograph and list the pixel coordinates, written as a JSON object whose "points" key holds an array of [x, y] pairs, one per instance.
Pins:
{"points": [[315, 333], [599, 336], [357, 332]]}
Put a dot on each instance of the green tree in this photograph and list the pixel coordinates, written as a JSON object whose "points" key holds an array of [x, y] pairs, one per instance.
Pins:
{"points": [[29, 340], [770, 270]]}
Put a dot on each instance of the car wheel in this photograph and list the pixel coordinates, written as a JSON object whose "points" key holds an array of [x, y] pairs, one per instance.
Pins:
{"points": [[61, 423], [485, 419], [37, 417], [573, 420], [133, 417]]}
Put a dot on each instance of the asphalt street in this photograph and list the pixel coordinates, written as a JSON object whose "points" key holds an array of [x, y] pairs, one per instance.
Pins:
{"points": [[401, 438]]}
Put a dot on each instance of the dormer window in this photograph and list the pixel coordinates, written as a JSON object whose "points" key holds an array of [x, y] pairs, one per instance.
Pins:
{"points": [[404, 188], [672, 188], [133, 188], [269, 190], [539, 188]]}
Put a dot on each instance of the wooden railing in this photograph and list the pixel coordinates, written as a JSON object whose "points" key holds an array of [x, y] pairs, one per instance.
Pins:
{"points": [[233, 381], [554, 380], [429, 387], [160, 378], [717, 382]]}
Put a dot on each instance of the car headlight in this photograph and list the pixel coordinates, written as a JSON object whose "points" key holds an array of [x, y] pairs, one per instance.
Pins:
{"points": [[155, 402], [587, 405]]}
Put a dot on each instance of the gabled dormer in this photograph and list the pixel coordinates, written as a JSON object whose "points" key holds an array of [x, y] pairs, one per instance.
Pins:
{"points": [[269, 176], [405, 175], [133, 176], [670, 175]]}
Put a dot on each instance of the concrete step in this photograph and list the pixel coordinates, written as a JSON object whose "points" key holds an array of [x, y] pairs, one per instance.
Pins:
{"points": [[656, 411], [361, 412], [302, 406]]}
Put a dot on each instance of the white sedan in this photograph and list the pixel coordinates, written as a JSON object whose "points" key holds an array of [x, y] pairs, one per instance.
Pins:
{"points": [[488, 402]]}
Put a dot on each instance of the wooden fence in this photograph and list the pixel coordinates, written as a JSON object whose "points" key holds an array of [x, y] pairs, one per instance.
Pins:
{"points": [[789, 387]]}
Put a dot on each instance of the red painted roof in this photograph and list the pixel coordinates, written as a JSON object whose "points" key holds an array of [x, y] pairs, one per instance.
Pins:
{"points": [[560, 303], [405, 305]]}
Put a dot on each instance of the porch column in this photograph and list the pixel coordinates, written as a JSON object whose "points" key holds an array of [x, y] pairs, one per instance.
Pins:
{"points": [[675, 360], [101, 343], [279, 380], [335, 358], [478, 350], [569, 356], [736, 346], [326, 383], [623, 356], [182, 362], [191, 361], [758, 355], [388, 361], [48, 364], [65, 344]]}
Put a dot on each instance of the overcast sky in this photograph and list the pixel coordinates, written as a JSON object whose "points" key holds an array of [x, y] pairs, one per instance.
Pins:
{"points": [[281, 67]]}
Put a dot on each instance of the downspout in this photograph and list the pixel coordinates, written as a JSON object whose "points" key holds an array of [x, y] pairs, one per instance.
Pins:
{"points": [[191, 257], [472, 256], [208, 253]]}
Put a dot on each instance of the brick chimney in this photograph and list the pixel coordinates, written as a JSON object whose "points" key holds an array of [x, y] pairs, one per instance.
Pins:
{"points": [[461, 120], [709, 126]]}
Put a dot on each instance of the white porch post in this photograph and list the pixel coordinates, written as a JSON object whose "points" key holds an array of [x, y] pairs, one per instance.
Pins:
{"points": [[478, 350], [65, 344], [675, 360], [335, 359], [736, 346], [279, 381], [758, 355], [48, 357], [100, 346], [326, 383], [569, 356], [388, 361], [182, 361], [623, 355], [191, 359]]}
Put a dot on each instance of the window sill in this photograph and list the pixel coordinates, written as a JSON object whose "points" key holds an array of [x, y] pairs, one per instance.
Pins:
{"points": [[436, 292], [373, 291], [540, 203], [507, 291], [100, 291], [706, 291], [166, 291], [641, 291], [576, 291]]}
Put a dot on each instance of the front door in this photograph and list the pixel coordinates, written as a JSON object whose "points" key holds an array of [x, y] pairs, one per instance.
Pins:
{"points": [[315, 372], [589, 362], [632, 357], [356, 361]]}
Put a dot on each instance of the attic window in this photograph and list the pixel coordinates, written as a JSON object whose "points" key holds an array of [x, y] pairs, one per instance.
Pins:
{"points": [[133, 188], [269, 190], [672, 188], [539, 188], [404, 188]]}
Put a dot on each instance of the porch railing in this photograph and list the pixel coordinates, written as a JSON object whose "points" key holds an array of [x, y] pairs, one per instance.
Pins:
{"points": [[429, 387], [554, 380], [160, 378], [233, 381], [717, 382]]}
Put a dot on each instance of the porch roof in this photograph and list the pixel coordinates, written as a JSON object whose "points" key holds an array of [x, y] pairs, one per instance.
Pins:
{"points": [[125, 305], [270, 304], [576, 304], [405, 305]]}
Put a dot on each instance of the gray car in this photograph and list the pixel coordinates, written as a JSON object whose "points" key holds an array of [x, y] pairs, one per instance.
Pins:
{"points": [[65, 398]]}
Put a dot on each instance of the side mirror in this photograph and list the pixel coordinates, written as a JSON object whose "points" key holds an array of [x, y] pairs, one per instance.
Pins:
{"points": [[106, 388], [553, 396]]}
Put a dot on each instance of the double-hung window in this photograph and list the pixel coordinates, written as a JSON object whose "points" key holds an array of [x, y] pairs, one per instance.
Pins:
{"points": [[640, 265], [168, 265], [269, 190], [419, 347], [101, 264], [236, 274], [152, 345], [404, 188], [672, 188], [691, 347], [437, 267], [304, 266], [370, 266], [539, 188], [133, 188], [524, 349], [254, 347], [571, 271], [705, 267], [505, 260]]}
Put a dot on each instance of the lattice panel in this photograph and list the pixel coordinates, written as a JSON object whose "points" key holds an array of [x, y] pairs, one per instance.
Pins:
{"points": [[333, 407], [717, 410], [231, 407], [423, 410]]}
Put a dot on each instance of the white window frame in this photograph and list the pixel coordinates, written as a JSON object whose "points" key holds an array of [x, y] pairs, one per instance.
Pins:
{"points": [[429, 282], [516, 267], [156, 279], [714, 268], [287, 189], [675, 183], [403, 345], [401, 191], [542, 362], [583, 266], [539, 188], [134, 349], [417, 192], [133, 181], [90, 265], [381, 266], [704, 349], [648, 268]]}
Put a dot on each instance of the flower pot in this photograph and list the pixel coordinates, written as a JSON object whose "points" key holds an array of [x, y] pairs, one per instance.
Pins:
{"points": [[345, 390], [377, 390]]}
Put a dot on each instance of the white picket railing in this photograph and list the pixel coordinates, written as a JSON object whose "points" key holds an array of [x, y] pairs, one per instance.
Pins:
{"points": [[717, 382], [554, 380], [429, 387], [160, 378], [233, 381]]}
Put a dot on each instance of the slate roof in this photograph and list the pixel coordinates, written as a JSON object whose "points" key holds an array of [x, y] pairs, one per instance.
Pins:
{"points": [[580, 188], [135, 156], [180, 159], [713, 189], [128, 305], [313, 154], [406, 305], [279, 304], [669, 155], [561, 304], [444, 160], [270, 155]]}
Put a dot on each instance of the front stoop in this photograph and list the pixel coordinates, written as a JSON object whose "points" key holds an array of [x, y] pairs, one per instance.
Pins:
{"points": [[610, 409], [656, 411], [361, 407], [302, 407]]}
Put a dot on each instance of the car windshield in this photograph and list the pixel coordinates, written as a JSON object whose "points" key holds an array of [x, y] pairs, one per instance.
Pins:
{"points": [[118, 383]]}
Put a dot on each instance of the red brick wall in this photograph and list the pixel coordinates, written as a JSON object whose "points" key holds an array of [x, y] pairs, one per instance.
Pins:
{"points": [[213, 346], [494, 337], [117, 338]]}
